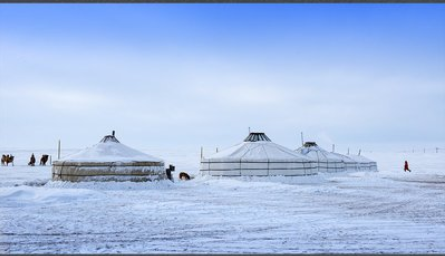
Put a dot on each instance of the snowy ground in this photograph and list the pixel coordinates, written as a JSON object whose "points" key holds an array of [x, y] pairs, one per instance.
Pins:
{"points": [[389, 211]]}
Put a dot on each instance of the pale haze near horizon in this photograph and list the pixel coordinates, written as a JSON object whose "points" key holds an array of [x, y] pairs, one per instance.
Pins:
{"points": [[366, 76]]}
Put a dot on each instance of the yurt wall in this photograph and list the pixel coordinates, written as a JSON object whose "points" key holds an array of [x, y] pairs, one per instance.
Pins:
{"points": [[350, 164], [365, 164], [246, 167]]}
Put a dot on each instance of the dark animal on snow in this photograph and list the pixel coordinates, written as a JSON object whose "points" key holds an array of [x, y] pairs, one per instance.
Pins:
{"points": [[7, 159], [32, 160], [184, 176], [44, 159], [169, 171]]}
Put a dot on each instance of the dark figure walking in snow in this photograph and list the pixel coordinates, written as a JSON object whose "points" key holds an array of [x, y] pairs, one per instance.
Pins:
{"points": [[32, 160], [44, 159], [406, 168], [169, 171]]}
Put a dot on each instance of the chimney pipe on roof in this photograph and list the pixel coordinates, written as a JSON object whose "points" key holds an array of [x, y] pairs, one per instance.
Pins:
{"points": [[113, 133]]}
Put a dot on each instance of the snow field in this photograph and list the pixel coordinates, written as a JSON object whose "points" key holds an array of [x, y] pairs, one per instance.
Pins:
{"points": [[389, 211]]}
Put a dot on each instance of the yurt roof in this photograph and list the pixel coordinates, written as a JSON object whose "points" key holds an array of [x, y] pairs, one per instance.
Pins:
{"points": [[256, 136], [257, 147], [345, 158], [312, 150], [109, 149], [310, 146], [361, 159]]}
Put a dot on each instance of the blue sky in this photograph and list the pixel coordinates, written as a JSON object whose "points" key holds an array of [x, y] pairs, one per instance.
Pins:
{"points": [[357, 75]]}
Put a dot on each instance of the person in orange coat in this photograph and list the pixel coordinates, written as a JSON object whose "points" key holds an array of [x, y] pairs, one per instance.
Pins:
{"points": [[406, 166]]}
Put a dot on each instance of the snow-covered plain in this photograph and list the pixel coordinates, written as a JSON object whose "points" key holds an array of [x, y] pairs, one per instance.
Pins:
{"points": [[389, 211]]}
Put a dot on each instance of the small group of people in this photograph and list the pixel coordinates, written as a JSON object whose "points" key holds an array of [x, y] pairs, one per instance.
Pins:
{"points": [[43, 160]]}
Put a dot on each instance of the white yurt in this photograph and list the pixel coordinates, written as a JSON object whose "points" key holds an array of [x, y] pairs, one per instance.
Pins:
{"points": [[257, 155], [325, 161], [108, 160], [364, 163], [350, 164]]}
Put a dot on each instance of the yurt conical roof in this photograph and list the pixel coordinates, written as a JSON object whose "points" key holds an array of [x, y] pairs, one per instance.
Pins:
{"points": [[311, 149], [256, 155], [109, 160], [344, 158], [326, 161], [361, 159], [110, 150]]}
